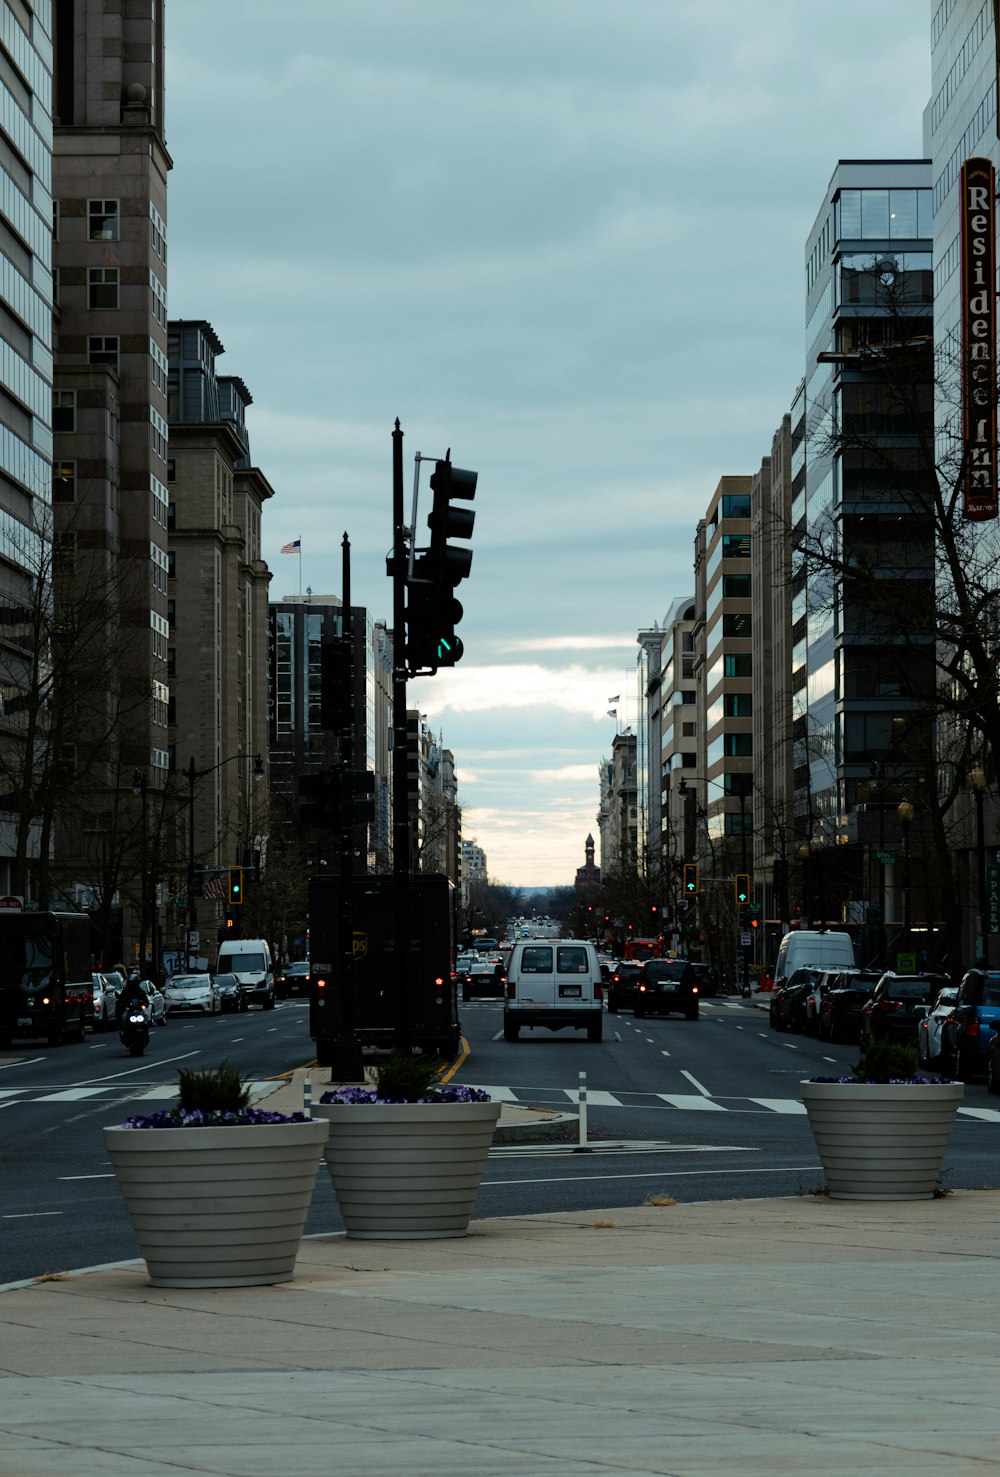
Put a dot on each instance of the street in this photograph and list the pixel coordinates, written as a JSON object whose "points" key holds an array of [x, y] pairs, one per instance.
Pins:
{"points": [[698, 1110]]}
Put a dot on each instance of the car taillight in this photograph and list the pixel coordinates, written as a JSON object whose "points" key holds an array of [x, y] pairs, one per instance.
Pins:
{"points": [[642, 989], [885, 1006], [972, 1027], [694, 989], [598, 991], [321, 984]]}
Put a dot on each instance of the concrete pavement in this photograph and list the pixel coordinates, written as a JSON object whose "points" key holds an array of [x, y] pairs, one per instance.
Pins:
{"points": [[773, 1336]]}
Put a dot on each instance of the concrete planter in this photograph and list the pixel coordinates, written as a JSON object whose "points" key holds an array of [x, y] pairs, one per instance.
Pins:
{"points": [[881, 1141], [218, 1207], [407, 1171]]}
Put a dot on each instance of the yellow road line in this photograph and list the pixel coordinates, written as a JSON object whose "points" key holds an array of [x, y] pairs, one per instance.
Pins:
{"points": [[463, 1055]]}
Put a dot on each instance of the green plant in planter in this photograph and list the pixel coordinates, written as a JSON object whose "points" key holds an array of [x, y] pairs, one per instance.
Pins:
{"points": [[887, 1061], [405, 1078], [220, 1089]]}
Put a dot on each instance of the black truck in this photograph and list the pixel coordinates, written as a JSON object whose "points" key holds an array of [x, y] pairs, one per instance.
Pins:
{"points": [[430, 1006], [45, 976]]}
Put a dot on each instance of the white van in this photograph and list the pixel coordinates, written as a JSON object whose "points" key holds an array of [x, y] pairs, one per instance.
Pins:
{"points": [[250, 961], [554, 983], [822, 949]]}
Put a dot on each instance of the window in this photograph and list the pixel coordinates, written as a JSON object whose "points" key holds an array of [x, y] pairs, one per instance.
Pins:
{"points": [[171, 612], [736, 546], [102, 287], [737, 625], [64, 482], [739, 666], [55, 220], [64, 410], [736, 587], [63, 547], [736, 505], [571, 960], [102, 217], [737, 704], [536, 961], [171, 564], [103, 349]]}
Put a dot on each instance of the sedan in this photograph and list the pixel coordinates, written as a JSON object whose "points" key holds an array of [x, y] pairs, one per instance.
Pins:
{"points": [[929, 1029], [623, 986], [231, 996], [157, 1003], [483, 978], [100, 1006], [195, 993], [292, 979], [899, 1003]]}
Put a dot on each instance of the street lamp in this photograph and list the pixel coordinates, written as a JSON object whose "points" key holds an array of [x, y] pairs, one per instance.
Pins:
{"points": [[978, 782], [803, 855], [193, 775], [905, 812]]}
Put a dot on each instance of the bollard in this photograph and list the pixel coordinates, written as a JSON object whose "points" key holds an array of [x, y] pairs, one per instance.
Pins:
{"points": [[307, 1095], [583, 1147]]}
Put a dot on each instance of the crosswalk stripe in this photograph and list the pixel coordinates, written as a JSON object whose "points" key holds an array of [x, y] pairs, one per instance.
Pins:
{"points": [[498, 1094], [595, 1099], [987, 1115], [780, 1104], [691, 1101], [70, 1095]]}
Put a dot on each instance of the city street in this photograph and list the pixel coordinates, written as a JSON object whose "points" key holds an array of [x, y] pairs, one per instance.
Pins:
{"points": [[698, 1110]]}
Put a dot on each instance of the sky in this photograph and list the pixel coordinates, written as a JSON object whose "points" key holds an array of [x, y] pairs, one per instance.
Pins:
{"points": [[562, 238]]}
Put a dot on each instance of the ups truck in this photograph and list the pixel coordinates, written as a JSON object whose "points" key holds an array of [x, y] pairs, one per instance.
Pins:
{"points": [[45, 976], [431, 1004]]}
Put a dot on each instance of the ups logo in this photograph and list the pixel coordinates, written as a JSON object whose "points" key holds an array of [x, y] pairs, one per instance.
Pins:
{"points": [[359, 946]]}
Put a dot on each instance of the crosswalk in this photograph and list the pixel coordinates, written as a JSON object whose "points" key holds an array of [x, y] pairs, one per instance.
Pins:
{"points": [[111, 1092]]}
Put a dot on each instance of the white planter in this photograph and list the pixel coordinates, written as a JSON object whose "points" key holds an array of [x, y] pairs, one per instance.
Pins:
{"points": [[218, 1207], [407, 1171], [881, 1141]]}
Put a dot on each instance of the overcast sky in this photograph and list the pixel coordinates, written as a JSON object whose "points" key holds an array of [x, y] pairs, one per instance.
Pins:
{"points": [[563, 238]]}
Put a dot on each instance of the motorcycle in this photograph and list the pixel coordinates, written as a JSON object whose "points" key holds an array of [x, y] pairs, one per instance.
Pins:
{"points": [[134, 1030]]}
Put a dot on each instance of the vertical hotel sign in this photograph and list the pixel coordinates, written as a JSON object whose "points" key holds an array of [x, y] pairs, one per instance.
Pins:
{"points": [[979, 339]]}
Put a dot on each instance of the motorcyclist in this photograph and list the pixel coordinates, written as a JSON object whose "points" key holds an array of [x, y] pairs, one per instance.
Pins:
{"points": [[132, 994]]}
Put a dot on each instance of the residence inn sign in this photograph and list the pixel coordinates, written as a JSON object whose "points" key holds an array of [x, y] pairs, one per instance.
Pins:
{"points": [[979, 339]]}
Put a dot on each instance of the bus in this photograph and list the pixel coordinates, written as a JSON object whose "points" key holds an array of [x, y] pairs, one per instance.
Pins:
{"points": [[642, 949]]}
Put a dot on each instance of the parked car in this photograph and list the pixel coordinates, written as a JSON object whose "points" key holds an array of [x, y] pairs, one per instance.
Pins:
{"points": [[157, 1003], [100, 1007], [708, 980], [814, 998], [231, 995], [930, 1027], [787, 1010], [667, 985], [846, 997], [967, 1032], [820, 948], [623, 986], [292, 979], [897, 1005], [483, 977], [192, 994]]}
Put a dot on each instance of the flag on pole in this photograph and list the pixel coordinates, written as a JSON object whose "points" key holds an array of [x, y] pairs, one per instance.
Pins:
{"points": [[616, 698], [295, 547], [612, 712]]}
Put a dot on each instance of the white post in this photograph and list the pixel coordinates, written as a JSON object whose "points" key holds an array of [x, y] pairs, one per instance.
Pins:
{"points": [[307, 1095], [582, 1147]]}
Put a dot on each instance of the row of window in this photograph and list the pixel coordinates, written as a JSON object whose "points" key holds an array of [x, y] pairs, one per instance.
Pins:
{"points": [[959, 67]]}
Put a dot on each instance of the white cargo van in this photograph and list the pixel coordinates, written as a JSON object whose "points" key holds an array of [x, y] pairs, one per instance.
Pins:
{"points": [[824, 949], [250, 961], [554, 983]]}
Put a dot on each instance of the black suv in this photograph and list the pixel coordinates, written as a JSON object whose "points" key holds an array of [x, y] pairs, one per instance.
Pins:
{"points": [[623, 985], [898, 1004], [665, 985]]}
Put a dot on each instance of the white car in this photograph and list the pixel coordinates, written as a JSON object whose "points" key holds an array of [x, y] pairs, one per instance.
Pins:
{"points": [[194, 993]]}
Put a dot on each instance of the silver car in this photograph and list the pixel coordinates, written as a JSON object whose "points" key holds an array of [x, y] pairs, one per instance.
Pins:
{"points": [[100, 1009], [192, 993], [929, 1027]]}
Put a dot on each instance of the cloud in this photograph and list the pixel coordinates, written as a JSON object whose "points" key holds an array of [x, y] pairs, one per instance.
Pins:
{"points": [[474, 689]]}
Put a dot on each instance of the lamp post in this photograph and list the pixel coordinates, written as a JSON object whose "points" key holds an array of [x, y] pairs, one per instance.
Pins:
{"points": [[139, 790], [193, 775], [803, 854], [904, 811], [978, 781]]}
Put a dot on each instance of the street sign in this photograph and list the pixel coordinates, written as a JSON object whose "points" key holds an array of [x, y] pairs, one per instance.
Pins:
{"points": [[992, 898], [746, 939], [194, 939], [906, 963], [887, 858], [11, 904]]}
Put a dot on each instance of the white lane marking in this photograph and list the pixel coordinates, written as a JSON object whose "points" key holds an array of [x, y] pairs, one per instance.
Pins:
{"points": [[696, 1084], [780, 1104], [788, 1046], [234, 1039], [988, 1115], [498, 1094], [664, 1053], [828, 1059], [497, 1037], [670, 1174], [617, 1037], [86, 1177], [28, 1061], [650, 1041], [163, 1061], [698, 1104], [28, 1215]]}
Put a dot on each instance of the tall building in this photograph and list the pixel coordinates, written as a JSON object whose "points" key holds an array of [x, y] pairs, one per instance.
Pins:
{"points": [[109, 186], [647, 732], [25, 412], [859, 683], [217, 611], [678, 726]]}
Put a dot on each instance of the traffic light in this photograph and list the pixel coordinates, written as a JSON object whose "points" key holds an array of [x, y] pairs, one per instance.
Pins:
{"points": [[336, 683], [432, 611], [690, 878], [742, 888], [234, 894]]}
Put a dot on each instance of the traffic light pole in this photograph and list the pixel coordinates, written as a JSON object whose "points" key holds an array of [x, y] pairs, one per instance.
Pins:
{"points": [[347, 1064], [400, 792]]}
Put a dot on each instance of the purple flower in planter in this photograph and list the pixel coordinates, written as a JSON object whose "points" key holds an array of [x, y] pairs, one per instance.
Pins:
{"points": [[892, 1082], [177, 1118], [369, 1095]]}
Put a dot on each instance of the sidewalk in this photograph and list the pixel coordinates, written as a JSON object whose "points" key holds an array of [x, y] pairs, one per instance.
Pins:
{"points": [[781, 1336]]}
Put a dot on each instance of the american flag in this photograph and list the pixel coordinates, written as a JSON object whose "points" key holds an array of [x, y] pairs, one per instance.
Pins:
{"points": [[215, 887], [295, 547]]}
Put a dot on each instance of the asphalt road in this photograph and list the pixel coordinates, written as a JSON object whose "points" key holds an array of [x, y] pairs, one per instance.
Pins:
{"points": [[698, 1110]]}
